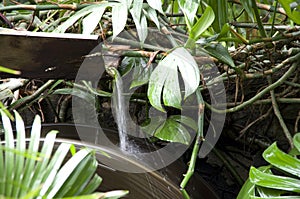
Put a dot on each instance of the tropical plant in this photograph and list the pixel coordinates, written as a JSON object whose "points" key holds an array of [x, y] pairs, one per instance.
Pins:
{"points": [[280, 179], [29, 170]]}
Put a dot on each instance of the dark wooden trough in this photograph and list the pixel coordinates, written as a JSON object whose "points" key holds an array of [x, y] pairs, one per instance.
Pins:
{"points": [[44, 55]]}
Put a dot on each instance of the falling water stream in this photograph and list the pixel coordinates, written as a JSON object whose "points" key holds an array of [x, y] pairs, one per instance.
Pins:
{"points": [[120, 111]]}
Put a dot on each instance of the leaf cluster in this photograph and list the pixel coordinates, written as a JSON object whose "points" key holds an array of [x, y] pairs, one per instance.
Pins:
{"points": [[29, 170], [278, 180]]}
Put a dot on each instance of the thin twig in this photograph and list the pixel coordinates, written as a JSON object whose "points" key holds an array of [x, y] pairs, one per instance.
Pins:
{"points": [[228, 165], [260, 94], [279, 116], [266, 27], [5, 20], [263, 7], [19, 103], [242, 132]]}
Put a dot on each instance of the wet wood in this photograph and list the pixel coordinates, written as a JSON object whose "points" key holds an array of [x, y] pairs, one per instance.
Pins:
{"points": [[45, 55]]}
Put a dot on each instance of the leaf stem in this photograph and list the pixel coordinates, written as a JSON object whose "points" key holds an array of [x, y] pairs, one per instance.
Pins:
{"points": [[196, 148]]}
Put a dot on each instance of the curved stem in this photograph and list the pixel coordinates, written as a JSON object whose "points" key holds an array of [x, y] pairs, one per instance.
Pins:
{"points": [[260, 94], [196, 148], [279, 116]]}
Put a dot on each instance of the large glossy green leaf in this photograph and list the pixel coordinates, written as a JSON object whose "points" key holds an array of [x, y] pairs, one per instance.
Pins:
{"points": [[188, 69], [90, 22], [185, 120], [202, 24], [173, 131], [274, 181], [221, 53], [282, 160], [247, 190], [171, 91], [156, 82], [119, 17], [292, 14], [268, 193], [152, 124], [170, 129], [164, 79]]}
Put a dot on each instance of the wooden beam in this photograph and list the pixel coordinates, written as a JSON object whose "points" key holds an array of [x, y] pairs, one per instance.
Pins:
{"points": [[45, 55]]}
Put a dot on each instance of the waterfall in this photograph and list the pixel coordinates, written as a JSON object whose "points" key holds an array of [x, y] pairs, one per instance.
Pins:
{"points": [[120, 110]]}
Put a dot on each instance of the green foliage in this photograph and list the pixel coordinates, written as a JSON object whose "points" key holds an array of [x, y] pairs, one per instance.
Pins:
{"points": [[292, 13], [34, 171], [221, 53], [141, 70], [263, 183], [171, 129], [220, 8], [202, 24], [92, 14], [164, 79]]}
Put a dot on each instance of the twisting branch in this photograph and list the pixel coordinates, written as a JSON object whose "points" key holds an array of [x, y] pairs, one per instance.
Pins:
{"points": [[261, 93], [5, 20], [262, 117], [266, 27], [279, 116], [264, 7]]}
